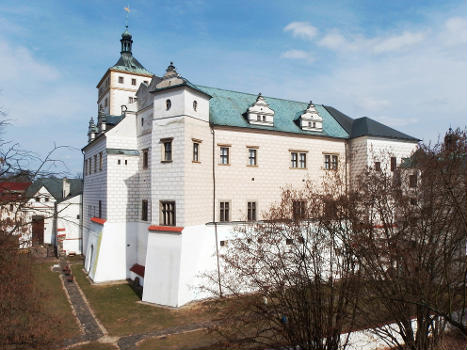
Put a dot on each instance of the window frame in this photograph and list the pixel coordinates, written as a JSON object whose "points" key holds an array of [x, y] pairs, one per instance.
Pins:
{"points": [[252, 210], [377, 166], [167, 150], [224, 211], [298, 209], [145, 152], [100, 161], [133, 81], [252, 160], [195, 154], [144, 210], [167, 213], [298, 159], [121, 80], [224, 158]]}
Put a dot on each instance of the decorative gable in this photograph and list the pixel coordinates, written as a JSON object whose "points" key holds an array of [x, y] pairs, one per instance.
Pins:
{"points": [[259, 113], [310, 120]]}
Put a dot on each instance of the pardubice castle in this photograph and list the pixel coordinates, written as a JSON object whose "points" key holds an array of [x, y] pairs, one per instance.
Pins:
{"points": [[171, 167]]}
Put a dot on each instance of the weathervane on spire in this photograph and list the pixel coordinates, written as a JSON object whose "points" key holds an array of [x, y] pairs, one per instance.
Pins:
{"points": [[127, 10]]}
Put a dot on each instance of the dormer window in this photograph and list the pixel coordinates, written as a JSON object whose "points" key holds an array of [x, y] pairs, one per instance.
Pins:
{"points": [[310, 120], [260, 113]]}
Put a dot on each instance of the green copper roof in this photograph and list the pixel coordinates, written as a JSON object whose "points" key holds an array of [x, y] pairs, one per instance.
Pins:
{"points": [[228, 107], [127, 63]]}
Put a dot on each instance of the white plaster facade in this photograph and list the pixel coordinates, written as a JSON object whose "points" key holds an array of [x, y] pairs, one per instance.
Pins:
{"points": [[130, 175]]}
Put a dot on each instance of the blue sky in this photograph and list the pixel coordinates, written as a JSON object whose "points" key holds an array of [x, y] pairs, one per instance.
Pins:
{"points": [[400, 62]]}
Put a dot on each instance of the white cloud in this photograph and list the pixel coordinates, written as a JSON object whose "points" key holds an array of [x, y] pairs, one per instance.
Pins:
{"points": [[302, 30], [397, 42], [298, 55], [336, 41], [413, 80], [35, 92]]}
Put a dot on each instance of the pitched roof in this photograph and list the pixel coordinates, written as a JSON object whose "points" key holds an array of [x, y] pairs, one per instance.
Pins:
{"points": [[228, 107], [367, 127], [14, 186], [55, 187], [128, 63]]}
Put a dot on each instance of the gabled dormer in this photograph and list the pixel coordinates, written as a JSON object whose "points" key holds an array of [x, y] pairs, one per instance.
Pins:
{"points": [[310, 120], [260, 113]]}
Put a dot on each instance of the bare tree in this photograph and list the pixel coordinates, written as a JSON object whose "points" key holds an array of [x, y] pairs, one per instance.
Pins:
{"points": [[408, 233], [24, 322], [291, 281]]}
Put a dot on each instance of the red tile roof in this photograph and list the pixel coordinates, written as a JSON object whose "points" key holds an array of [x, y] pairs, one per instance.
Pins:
{"points": [[165, 228], [138, 269], [98, 220]]}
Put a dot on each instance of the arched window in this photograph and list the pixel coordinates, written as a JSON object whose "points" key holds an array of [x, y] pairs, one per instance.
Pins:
{"points": [[195, 105], [168, 104]]}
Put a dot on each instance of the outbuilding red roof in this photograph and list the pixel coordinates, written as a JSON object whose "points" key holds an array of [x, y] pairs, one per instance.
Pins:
{"points": [[138, 269]]}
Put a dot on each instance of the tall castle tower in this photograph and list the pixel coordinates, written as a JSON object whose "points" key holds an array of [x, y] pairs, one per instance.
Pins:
{"points": [[119, 84]]}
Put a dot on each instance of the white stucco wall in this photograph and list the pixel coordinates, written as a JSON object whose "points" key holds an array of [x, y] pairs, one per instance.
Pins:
{"points": [[68, 224]]}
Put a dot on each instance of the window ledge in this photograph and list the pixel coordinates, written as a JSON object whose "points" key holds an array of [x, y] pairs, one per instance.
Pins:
{"points": [[223, 164], [166, 161], [196, 162], [298, 168], [251, 166]]}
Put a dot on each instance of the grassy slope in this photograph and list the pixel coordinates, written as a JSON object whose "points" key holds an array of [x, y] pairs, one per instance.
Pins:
{"points": [[56, 302], [117, 307]]}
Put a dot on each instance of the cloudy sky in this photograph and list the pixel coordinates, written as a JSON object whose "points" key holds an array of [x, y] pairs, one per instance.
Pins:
{"points": [[400, 62]]}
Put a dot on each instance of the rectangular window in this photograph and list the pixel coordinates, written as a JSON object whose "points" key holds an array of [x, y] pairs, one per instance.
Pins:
{"points": [[413, 181], [331, 162], [95, 163], [85, 167], [393, 163], [144, 210], [378, 166], [298, 210], [294, 160], [224, 214], [131, 100], [90, 165], [166, 150], [100, 161], [251, 211], [100, 209], [145, 158], [167, 213], [298, 160], [252, 157], [224, 154], [120, 80], [133, 81], [196, 152], [334, 162], [302, 162]]}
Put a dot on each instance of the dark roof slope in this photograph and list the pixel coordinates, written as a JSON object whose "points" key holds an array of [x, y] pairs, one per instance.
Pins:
{"points": [[128, 63], [55, 187], [367, 127]]}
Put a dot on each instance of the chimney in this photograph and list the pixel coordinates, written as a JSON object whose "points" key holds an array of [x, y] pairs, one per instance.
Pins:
{"points": [[66, 187]]}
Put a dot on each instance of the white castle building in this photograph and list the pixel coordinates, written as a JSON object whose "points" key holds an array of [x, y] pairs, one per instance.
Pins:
{"points": [[171, 167]]}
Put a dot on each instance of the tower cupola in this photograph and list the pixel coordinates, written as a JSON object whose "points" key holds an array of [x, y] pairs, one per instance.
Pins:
{"points": [[126, 41]]}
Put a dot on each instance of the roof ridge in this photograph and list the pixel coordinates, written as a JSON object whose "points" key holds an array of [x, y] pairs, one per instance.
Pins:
{"points": [[255, 95]]}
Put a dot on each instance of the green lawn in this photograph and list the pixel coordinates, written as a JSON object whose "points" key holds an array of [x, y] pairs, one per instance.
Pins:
{"points": [[117, 307], [56, 302], [191, 340]]}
